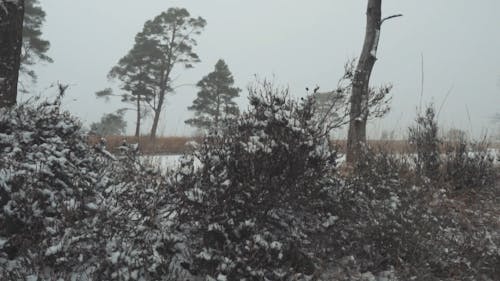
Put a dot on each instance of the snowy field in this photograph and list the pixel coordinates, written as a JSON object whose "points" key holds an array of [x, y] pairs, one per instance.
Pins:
{"points": [[170, 162], [165, 163]]}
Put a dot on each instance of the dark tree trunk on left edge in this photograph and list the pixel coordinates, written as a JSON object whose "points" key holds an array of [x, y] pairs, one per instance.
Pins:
{"points": [[11, 39]]}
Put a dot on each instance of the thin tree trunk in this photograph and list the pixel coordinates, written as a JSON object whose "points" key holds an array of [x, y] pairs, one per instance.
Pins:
{"points": [[157, 111], [138, 119], [11, 39], [167, 66], [356, 137], [217, 112]]}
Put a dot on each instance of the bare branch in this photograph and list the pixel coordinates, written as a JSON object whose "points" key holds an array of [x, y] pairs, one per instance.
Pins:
{"points": [[390, 17]]}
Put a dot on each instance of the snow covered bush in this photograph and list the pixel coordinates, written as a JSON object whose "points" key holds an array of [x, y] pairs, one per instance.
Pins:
{"points": [[252, 205], [378, 212], [46, 185], [72, 211]]}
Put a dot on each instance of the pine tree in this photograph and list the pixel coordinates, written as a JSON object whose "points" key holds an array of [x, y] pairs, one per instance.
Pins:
{"points": [[172, 35], [165, 42], [133, 72], [110, 124], [34, 48], [215, 98]]}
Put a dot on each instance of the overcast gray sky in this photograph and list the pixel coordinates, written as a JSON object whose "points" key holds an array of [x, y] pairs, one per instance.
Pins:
{"points": [[301, 43]]}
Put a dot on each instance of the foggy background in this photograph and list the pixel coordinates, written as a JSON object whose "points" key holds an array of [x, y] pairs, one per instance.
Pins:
{"points": [[300, 44]]}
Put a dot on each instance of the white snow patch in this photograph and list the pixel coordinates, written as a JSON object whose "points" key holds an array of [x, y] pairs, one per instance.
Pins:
{"points": [[114, 257], [221, 277], [33, 277], [330, 221], [54, 249], [2, 242], [91, 206], [166, 162]]}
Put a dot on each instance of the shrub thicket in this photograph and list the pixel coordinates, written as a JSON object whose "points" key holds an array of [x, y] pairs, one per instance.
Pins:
{"points": [[257, 200], [468, 165], [71, 211], [256, 197]]}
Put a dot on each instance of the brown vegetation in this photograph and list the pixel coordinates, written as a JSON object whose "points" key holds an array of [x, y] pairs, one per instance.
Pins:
{"points": [[160, 145], [177, 145]]}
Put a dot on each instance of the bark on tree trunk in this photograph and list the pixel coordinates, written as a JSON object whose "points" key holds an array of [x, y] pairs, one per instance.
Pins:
{"points": [[166, 69], [11, 39], [217, 112], [138, 119], [157, 111], [356, 137]]}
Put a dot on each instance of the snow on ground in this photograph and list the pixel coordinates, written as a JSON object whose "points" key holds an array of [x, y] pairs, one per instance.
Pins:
{"points": [[163, 162], [170, 162]]}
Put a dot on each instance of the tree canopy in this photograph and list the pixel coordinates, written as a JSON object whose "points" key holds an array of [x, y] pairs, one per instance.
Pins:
{"points": [[166, 41], [34, 48], [172, 38], [110, 124], [132, 71]]}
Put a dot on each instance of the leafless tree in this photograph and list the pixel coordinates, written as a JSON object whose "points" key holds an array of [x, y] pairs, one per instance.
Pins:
{"points": [[360, 96]]}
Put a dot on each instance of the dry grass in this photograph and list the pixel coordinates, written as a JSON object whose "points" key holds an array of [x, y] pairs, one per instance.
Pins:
{"points": [[403, 147], [160, 145], [177, 145]]}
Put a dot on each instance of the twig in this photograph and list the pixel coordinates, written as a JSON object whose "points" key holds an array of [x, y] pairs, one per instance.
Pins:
{"points": [[421, 82], [470, 121], [444, 101]]}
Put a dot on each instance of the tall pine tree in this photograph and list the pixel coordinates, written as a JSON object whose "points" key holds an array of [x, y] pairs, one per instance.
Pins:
{"points": [[133, 72], [166, 42], [214, 102], [172, 33]]}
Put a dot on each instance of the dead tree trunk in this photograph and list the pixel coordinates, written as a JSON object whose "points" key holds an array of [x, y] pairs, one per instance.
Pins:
{"points": [[11, 39], [356, 137]]}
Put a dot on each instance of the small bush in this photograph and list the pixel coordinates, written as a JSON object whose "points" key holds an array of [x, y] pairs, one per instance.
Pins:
{"points": [[424, 136], [455, 164]]}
